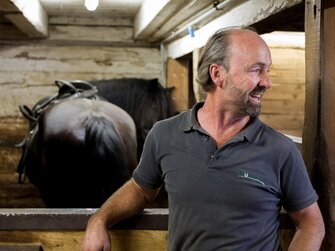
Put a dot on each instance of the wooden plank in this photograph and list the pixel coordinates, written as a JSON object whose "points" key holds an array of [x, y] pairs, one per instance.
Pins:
{"points": [[8, 6], [30, 18], [181, 17], [284, 107], [91, 21], [41, 65], [282, 122], [313, 71], [153, 14], [91, 33], [281, 91], [324, 169], [246, 13], [15, 195], [319, 130], [158, 19], [21, 246], [10, 31], [9, 158], [75, 219], [130, 240], [178, 77]]}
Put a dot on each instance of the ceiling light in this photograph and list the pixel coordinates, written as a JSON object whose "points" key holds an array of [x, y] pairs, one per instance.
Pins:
{"points": [[91, 5]]}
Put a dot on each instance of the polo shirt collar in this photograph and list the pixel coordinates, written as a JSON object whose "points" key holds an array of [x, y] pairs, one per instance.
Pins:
{"points": [[189, 122]]}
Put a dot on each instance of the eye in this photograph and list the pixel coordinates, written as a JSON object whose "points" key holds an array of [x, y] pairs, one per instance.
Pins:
{"points": [[255, 70]]}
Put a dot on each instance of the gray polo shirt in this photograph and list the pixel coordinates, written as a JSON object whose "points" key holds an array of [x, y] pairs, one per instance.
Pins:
{"points": [[227, 198]]}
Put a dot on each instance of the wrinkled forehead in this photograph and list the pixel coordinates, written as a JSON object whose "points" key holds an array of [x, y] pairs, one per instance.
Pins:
{"points": [[249, 48]]}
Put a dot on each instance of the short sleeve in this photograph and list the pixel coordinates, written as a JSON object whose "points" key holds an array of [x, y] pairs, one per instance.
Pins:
{"points": [[297, 190], [148, 172]]}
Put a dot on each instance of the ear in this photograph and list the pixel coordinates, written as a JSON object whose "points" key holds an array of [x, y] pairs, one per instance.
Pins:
{"points": [[217, 73]]}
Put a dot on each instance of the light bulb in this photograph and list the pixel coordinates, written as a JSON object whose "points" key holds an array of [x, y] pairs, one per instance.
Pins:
{"points": [[91, 5]]}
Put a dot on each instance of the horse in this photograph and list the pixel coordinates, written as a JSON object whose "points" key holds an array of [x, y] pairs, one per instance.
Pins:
{"points": [[145, 100], [59, 166], [79, 149]]}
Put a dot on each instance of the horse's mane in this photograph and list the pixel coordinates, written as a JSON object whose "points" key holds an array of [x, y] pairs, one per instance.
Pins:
{"points": [[133, 93]]}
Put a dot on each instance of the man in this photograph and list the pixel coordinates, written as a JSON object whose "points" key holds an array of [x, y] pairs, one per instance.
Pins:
{"points": [[227, 174]]}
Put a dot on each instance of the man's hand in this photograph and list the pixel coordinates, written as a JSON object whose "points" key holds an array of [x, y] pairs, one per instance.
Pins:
{"points": [[96, 237]]}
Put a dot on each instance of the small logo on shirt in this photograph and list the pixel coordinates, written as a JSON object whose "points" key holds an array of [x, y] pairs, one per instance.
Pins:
{"points": [[245, 175]]}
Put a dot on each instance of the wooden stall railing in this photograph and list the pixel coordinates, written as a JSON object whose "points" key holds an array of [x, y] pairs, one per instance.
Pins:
{"points": [[63, 229]]}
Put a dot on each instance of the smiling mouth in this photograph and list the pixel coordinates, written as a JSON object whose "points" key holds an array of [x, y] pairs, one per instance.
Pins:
{"points": [[256, 98]]}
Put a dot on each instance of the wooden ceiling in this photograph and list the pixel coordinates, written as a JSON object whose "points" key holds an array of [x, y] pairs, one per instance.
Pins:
{"points": [[151, 21]]}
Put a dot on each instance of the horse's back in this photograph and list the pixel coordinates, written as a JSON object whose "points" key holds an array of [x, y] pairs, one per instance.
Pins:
{"points": [[83, 151]]}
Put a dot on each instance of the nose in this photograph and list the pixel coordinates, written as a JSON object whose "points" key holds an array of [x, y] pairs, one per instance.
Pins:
{"points": [[265, 80]]}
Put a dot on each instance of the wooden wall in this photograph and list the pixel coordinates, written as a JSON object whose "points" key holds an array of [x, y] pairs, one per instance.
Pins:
{"points": [[283, 104], [28, 71]]}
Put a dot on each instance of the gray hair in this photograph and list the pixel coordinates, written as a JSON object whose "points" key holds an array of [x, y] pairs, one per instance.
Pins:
{"points": [[216, 51]]}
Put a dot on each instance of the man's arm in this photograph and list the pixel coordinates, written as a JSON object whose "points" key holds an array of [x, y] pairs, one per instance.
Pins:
{"points": [[310, 229], [129, 200]]}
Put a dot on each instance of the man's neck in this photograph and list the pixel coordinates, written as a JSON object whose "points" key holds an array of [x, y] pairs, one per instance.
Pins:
{"points": [[220, 123]]}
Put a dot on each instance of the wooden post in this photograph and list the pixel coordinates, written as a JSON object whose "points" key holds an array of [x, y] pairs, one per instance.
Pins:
{"points": [[178, 77], [319, 130]]}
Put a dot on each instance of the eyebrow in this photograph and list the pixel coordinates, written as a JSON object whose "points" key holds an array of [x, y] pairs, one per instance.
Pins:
{"points": [[259, 64]]}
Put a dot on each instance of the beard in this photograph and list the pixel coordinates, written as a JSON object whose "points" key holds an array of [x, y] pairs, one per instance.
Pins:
{"points": [[240, 99]]}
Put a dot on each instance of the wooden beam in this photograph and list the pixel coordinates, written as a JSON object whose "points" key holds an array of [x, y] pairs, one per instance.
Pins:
{"points": [[18, 219], [181, 18], [319, 130], [246, 13], [58, 240], [313, 72], [75, 219], [152, 14], [28, 16]]}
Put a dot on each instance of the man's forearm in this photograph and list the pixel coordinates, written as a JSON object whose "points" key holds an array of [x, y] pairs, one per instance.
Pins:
{"points": [[310, 229], [124, 203], [306, 241]]}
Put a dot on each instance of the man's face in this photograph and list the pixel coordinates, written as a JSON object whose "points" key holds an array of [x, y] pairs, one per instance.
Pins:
{"points": [[245, 101], [248, 78]]}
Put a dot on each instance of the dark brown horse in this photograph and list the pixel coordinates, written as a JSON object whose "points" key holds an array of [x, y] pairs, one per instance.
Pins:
{"points": [[79, 151]]}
